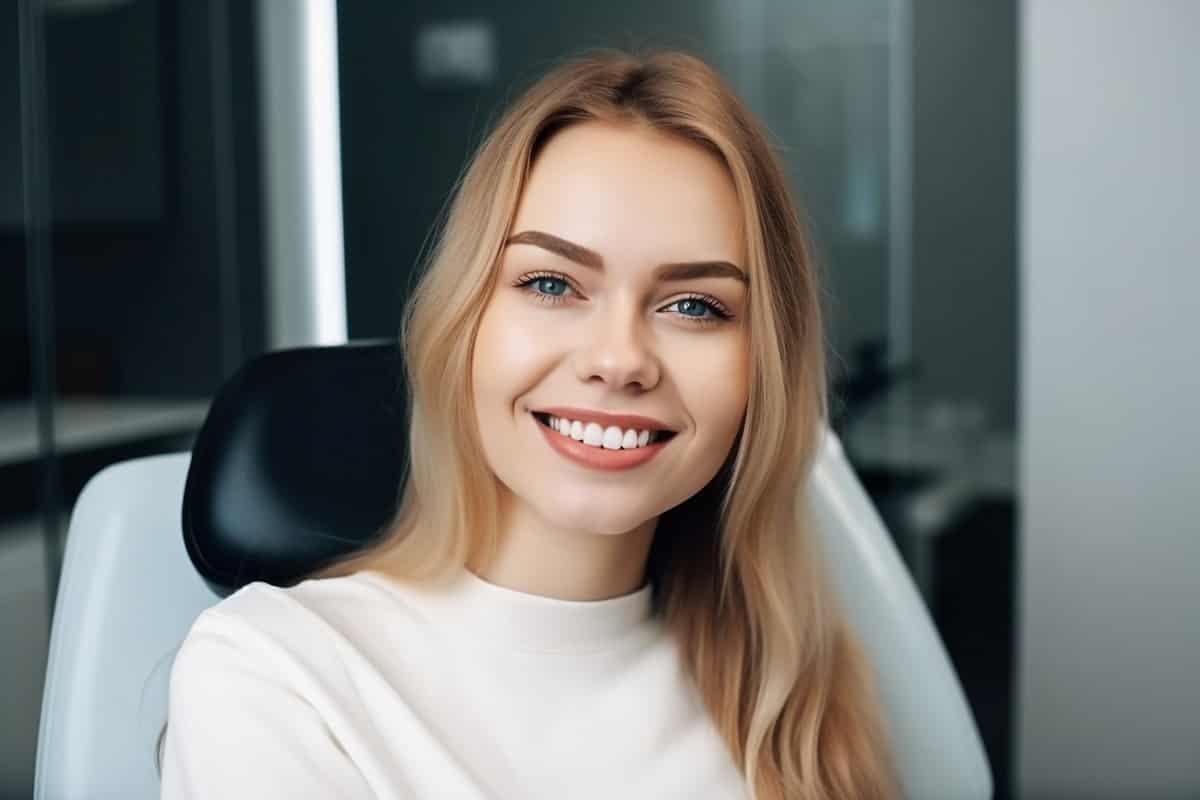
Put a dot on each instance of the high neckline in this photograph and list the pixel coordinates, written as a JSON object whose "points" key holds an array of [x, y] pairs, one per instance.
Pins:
{"points": [[517, 620]]}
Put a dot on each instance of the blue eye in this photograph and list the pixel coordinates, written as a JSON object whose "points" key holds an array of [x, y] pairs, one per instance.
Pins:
{"points": [[694, 310], [551, 286], [545, 287]]}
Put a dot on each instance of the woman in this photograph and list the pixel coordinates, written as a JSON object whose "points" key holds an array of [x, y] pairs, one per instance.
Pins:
{"points": [[599, 582]]}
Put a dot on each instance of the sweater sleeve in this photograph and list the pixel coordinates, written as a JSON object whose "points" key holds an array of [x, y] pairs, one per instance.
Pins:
{"points": [[236, 729]]}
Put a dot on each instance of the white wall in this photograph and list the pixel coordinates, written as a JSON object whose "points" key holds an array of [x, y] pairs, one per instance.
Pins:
{"points": [[1109, 610]]}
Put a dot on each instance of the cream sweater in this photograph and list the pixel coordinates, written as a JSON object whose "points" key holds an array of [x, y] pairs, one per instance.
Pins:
{"points": [[364, 687]]}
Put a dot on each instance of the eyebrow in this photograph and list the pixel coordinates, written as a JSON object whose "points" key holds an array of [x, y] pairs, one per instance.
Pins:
{"points": [[676, 271]]}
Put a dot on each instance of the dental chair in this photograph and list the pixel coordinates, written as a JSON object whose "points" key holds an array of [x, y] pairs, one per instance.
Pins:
{"points": [[300, 460]]}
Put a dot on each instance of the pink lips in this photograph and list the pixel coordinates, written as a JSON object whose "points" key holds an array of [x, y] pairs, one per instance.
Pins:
{"points": [[599, 457], [622, 421]]}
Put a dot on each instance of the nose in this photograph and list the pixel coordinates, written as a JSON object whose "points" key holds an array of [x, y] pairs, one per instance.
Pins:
{"points": [[617, 350]]}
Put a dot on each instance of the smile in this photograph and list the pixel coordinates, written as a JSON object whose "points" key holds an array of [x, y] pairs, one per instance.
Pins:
{"points": [[599, 447], [596, 435]]}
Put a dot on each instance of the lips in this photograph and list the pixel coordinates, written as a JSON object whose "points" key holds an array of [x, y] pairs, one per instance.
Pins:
{"points": [[606, 419], [599, 458], [594, 435], [603, 457]]}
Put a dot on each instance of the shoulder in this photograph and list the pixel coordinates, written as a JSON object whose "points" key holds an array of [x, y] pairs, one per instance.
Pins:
{"points": [[314, 625], [266, 606], [263, 644], [263, 667], [261, 616]]}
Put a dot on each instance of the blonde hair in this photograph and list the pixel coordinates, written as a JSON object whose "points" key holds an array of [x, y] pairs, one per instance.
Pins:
{"points": [[736, 575]]}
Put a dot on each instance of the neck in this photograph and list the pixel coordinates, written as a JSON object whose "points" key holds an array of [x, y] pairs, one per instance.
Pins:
{"points": [[537, 557]]}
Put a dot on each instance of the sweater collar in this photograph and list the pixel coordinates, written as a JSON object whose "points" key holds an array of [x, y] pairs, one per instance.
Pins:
{"points": [[534, 623]]}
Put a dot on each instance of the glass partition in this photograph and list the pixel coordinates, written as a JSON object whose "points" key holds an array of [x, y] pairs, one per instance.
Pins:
{"points": [[131, 282]]}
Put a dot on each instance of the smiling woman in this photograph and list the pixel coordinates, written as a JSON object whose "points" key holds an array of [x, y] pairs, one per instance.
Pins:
{"points": [[632, 305], [600, 581]]}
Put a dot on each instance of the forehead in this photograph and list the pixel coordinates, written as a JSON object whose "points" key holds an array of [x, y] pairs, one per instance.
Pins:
{"points": [[635, 195]]}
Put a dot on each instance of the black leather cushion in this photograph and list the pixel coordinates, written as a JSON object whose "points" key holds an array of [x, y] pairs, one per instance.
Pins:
{"points": [[299, 461]]}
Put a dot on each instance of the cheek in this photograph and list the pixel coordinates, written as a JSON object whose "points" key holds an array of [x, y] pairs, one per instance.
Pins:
{"points": [[506, 356], [716, 388]]}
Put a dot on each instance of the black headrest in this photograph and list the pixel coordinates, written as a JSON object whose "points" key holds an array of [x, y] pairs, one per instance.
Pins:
{"points": [[299, 461]]}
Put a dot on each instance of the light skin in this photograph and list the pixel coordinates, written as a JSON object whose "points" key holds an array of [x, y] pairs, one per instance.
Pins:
{"points": [[623, 239]]}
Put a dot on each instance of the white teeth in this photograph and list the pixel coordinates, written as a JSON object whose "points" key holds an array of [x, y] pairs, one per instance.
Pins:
{"points": [[613, 437], [610, 438], [593, 434]]}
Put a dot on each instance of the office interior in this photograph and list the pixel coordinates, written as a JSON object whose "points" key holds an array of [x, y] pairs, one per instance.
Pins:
{"points": [[999, 192]]}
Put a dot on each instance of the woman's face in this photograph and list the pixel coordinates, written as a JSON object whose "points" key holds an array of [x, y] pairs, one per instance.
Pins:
{"points": [[621, 292]]}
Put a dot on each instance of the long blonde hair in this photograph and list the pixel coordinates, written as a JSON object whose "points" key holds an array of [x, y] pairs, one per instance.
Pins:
{"points": [[736, 575]]}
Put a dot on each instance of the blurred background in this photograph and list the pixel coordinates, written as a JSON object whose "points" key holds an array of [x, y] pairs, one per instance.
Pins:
{"points": [[1002, 193]]}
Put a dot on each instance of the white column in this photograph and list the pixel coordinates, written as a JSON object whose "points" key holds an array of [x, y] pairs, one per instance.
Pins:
{"points": [[302, 173]]}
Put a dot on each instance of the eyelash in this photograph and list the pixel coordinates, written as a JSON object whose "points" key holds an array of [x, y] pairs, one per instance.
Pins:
{"points": [[721, 313]]}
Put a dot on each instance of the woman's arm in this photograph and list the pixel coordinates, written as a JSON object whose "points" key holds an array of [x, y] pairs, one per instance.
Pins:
{"points": [[235, 729]]}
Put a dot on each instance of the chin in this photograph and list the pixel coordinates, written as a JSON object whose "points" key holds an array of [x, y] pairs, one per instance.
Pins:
{"points": [[594, 518]]}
